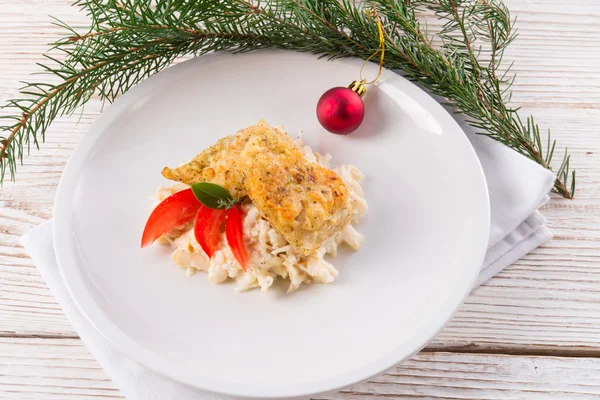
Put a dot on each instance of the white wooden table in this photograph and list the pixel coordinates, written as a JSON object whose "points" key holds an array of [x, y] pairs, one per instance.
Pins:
{"points": [[532, 332]]}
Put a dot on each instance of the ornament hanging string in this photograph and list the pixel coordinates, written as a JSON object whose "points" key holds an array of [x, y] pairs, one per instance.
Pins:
{"points": [[375, 16]]}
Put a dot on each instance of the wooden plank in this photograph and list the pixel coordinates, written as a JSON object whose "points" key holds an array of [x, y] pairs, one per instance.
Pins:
{"points": [[51, 370], [554, 288], [556, 54], [48, 369], [483, 377]]}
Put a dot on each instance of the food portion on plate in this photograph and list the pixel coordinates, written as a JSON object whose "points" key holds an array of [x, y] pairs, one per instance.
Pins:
{"points": [[257, 206]]}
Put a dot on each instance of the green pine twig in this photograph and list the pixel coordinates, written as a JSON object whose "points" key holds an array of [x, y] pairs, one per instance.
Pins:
{"points": [[133, 39]]}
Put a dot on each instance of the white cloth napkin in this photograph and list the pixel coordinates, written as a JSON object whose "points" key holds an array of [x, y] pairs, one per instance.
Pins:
{"points": [[517, 187]]}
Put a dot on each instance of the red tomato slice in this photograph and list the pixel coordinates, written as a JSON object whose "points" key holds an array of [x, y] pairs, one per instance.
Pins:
{"points": [[207, 229], [235, 235], [174, 211]]}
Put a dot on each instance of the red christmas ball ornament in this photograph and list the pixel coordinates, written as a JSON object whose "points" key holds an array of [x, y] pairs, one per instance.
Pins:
{"points": [[341, 110]]}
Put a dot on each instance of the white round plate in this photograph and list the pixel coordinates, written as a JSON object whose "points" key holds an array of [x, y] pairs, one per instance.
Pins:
{"points": [[426, 230]]}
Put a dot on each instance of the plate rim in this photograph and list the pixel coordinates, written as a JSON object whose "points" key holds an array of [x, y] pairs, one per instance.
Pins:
{"points": [[69, 271]]}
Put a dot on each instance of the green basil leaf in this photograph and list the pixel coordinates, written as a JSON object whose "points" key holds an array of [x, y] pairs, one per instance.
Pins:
{"points": [[212, 195]]}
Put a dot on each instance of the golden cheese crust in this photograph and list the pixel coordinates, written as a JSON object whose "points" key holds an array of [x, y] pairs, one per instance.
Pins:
{"points": [[303, 201], [216, 164]]}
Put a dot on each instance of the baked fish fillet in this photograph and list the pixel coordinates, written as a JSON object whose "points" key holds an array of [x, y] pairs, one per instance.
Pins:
{"points": [[303, 201]]}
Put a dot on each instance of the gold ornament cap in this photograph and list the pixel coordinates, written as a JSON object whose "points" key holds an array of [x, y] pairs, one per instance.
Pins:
{"points": [[358, 87]]}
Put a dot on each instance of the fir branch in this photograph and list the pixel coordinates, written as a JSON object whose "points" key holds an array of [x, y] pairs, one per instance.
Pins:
{"points": [[129, 40]]}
